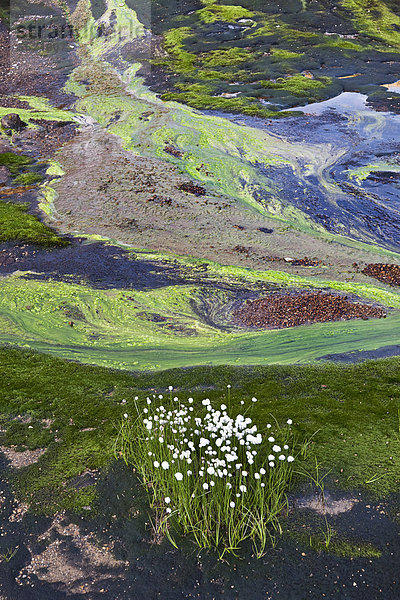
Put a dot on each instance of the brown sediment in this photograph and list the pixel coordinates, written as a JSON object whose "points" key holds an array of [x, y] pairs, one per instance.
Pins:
{"points": [[279, 311], [192, 188], [306, 262], [173, 151], [139, 201], [383, 272], [16, 190]]}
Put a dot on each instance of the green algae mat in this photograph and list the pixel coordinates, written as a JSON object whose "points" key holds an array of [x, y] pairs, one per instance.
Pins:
{"points": [[161, 329], [186, 151]]}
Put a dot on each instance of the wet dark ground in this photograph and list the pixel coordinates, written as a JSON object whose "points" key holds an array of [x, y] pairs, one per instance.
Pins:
{"points": [[104, 266], [362, 355], [99, 265], [369, 207], [160, 571], [291, 571]]}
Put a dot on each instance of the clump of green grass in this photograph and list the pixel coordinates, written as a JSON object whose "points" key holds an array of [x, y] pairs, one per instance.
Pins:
{"points": [[28, 179], [17, 225], [213, 475]]}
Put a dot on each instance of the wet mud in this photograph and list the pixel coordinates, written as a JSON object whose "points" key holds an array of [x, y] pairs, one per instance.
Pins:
{"points": [[112, 553], [362, 355], [99, 265]]}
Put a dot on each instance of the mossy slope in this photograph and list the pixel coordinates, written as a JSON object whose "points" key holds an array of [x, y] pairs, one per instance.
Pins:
{"points": [[354, 409]]}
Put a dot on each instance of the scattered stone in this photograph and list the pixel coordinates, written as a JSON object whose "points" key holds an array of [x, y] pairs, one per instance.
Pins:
{"points": [[386, 273], [265, 230], [173, 151], [18, 460], [242, 250], [18, 513], [306, 262], [289, 310], [192, 188]]}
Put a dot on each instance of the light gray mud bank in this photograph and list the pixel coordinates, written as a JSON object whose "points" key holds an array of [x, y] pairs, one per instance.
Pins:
{"points": [[111, 192]]}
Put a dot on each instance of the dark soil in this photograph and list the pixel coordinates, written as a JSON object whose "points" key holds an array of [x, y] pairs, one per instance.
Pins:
{"points": [[285, 310], [46, 139], [383, 272]]}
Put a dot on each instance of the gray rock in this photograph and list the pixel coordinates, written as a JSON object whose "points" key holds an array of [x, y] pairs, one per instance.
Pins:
{"points": [[4, 175], [12, 122]]}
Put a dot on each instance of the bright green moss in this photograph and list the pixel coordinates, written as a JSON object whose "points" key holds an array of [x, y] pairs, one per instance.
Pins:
{"points": [[353, 549], [282, 54], [298, 85], [28, 179], [173, 44], [337, 546], [17, 225], [337, 42], [231, 76], [207, 102], [215, 12], [226, 58], [85, 403], [375, 20]]}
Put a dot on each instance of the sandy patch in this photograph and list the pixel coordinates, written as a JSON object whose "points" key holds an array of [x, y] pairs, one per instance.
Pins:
{"points": [[326, 505], [18, 460], [73, 560]]}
